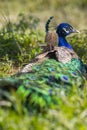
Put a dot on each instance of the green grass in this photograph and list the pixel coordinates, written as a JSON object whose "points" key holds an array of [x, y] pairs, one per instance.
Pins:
{"points": [[70, 114], [19, 43]]}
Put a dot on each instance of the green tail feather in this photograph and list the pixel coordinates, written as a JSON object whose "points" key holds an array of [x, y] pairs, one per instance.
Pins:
{"points": [[39, 87]]}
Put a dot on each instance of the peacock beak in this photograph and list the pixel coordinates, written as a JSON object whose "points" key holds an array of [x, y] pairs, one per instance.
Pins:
{"points": [[76, 31]]}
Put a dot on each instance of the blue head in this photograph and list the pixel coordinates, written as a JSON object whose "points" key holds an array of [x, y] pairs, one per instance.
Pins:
{"points": [[63, 30]]}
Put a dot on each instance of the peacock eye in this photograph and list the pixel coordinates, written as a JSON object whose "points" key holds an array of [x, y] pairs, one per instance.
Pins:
{"points": [[66, 29]]}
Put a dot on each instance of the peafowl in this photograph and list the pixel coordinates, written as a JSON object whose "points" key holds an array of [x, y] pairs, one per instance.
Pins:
{"points": [[39, 83]]}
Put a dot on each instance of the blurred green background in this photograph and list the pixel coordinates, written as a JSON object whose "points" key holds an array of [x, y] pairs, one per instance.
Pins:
{"points": [[73, 11]]}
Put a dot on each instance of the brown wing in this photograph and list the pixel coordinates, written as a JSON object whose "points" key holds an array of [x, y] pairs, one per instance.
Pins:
{"points": [[61, 54], [64, 54], [37, 60]]}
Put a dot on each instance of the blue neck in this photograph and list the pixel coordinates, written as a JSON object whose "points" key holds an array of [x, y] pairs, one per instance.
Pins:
{"points": [[63, 42]]}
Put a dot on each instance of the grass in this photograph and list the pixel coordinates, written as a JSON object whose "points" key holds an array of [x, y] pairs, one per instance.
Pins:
{"points": [[68, 115], [19, 43]]}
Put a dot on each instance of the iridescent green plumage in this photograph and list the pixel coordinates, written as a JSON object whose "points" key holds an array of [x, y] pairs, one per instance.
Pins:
{"points": [[39, 87]]}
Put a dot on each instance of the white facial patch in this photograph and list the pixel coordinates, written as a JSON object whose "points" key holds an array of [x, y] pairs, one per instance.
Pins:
{"points": [[67, 31]]}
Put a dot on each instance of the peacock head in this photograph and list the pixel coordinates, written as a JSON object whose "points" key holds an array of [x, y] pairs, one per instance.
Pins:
{"points": [[64, 29]]}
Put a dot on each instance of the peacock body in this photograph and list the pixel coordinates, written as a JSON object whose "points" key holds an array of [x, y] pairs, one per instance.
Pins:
{"points": [[39, 83]]}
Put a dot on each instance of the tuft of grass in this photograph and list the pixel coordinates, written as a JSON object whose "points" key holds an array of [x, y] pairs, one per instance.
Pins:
{"points": [[79, 43], [19, 42]]}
